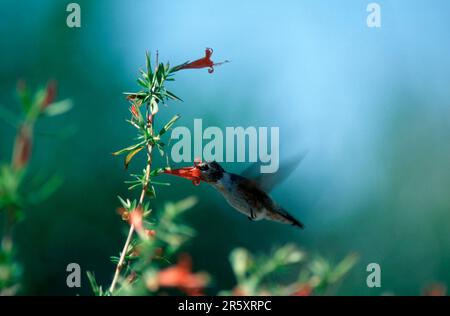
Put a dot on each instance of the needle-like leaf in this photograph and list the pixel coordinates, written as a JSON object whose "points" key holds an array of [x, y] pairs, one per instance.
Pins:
{"points": [[131, 154], [169, 125]]}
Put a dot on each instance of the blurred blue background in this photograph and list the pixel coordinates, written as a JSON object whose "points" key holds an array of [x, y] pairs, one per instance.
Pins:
{"points": [[371, 107]]}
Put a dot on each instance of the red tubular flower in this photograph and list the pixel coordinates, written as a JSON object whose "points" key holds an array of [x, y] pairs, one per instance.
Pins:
{"points": [[134, 111], [50, 94], [237, 291], [204, 62], [435, 289], [124, 214], [22, 147], [303, 290], [190, 173], [136, 219], [180, 276]]}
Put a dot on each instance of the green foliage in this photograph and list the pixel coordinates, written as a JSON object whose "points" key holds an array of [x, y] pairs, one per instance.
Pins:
{"points": [[10, 270], [251, 272], [147, 99], [322, 274], [10, 181], [19, 189], [98, 291], [168, 125], [14, 179], [255, 276], [143, 109], [148, 254], [58, 108]]}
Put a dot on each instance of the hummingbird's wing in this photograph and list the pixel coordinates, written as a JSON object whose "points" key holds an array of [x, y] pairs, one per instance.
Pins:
{"points": [[251, 200], [267, 181]]}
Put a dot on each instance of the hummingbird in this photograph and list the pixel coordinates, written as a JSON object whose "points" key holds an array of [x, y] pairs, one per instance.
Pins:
{"points": [[245, 195], [248, 196]]}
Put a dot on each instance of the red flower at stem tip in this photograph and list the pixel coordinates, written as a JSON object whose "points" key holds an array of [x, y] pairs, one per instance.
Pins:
{"points": [[50, 94], [190, 173], [204, 62], [22, 147]]}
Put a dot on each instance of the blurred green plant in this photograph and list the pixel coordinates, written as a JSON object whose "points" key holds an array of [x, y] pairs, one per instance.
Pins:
{"points": [[254, 275], [151, 252], [19, 190]]}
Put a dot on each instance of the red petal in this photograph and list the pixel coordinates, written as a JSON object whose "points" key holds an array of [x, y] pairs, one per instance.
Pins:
{"points": [[22, 147], [50, 94], [204, 62], [189, 173]]}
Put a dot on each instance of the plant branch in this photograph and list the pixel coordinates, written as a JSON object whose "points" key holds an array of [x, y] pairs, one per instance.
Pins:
{"points": [[141, 201], [154, 92], [122, 259]]}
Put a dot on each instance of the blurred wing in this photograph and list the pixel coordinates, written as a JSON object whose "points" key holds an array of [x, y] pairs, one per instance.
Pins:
{"points": [[267, 181]]}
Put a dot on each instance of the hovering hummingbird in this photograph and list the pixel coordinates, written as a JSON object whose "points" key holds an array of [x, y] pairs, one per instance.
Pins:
{"points": [[248, 196]]}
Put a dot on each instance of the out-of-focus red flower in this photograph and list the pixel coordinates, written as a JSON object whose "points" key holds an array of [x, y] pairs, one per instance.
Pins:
{"points": [[190, 173], [180, 276], [136, 219], [21, 86], [204, 62], [50, 94], [22, 147], [124, 214], [237, 291], [132, 277], [303, 290], [435, 289]]}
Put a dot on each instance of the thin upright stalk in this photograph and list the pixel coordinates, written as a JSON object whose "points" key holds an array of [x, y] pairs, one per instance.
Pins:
{"points": [[121, 260], [141, 201]]}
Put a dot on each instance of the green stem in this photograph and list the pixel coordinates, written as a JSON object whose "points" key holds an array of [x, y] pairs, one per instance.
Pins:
{"points": [[148, 168]]}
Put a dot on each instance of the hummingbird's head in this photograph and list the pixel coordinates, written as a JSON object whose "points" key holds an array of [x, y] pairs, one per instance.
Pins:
{"points": [[211, 171]]}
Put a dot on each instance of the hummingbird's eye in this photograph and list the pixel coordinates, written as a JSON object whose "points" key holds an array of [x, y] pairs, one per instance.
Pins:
{"points": [[203, 167]]}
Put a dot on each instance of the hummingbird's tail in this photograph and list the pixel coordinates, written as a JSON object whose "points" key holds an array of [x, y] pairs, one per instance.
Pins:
{"points": [[282, 216]]}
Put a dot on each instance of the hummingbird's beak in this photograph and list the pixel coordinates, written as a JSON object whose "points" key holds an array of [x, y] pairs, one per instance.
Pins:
{"points": [[190, 173]]}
